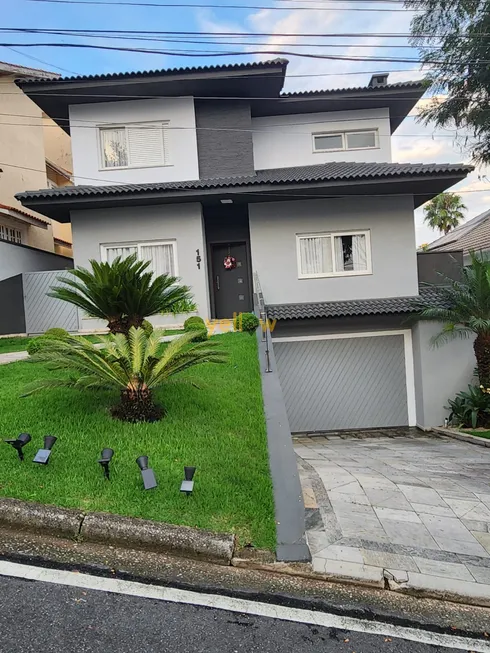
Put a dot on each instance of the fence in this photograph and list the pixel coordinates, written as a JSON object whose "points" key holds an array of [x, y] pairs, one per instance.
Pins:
{"points": [[43, 312]]}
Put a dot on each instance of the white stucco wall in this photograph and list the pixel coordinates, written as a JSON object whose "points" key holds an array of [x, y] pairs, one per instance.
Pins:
{"points": [[85, 119], [440, 372], [283, 141], [179, 222], [273, 229]]}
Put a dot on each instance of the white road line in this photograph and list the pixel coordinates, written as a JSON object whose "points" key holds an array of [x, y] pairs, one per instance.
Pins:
{"points": [[85, 581]]}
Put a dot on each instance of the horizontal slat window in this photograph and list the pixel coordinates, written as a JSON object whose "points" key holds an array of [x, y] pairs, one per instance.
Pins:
{"points": [[134, 146], [10, 234], [336, 254]]}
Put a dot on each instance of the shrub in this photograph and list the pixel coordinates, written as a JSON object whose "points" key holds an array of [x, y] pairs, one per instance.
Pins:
{"points": [[56, 332], [147, 327], [36, 344], [470, 409], [195, 319], [199, 329], [246, 322]]}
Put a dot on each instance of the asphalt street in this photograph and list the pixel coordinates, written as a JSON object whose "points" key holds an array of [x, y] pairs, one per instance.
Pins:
{"points": [[40, 616]]}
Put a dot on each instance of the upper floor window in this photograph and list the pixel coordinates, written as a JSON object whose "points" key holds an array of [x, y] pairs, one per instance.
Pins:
{"points": [[133, 146], [10, 234], [333, 254], [162, 255], [353, 140]]}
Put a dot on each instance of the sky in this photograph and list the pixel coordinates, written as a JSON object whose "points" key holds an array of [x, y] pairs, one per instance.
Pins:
{"points": [[413, 142]]}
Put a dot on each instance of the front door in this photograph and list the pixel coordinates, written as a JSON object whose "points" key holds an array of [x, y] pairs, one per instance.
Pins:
{"points": [[231, 287]]}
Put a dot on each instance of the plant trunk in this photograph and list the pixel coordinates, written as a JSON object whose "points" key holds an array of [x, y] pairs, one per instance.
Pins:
{"points": [[135, 320], [137, 406], [481, 347], [118, 325]]}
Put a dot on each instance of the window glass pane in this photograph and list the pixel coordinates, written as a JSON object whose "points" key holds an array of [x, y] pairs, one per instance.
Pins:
{"points": [[315, 255], [114, 148], [350, 253], [161, 258], [329, 142], [360, 140], [123, 251]]}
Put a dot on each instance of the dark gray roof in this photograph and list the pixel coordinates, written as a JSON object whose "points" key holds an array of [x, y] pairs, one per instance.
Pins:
{"points": [[409, 85], [472, 235], [272, 63], [334, 171], [384, 306]]}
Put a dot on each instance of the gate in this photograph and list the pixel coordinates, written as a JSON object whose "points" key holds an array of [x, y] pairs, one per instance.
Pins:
{"points": [[43, 312]]}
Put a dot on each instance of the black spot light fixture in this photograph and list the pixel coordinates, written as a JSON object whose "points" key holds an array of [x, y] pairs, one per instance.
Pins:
{"points": [[187, 484], [19, 442], [147, 474], [42, 456], [105, 459]]}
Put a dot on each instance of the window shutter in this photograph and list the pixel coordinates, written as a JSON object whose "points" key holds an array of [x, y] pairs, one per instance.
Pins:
{"points": [[146, 144]]}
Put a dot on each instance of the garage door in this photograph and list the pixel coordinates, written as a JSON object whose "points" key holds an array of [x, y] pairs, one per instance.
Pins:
{"points": [[343, 383]]}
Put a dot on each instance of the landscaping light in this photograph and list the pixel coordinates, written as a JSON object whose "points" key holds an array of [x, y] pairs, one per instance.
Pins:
{"points": [[187, 485], [43, 455], [20, 442], [149, 480], [105, 459]]}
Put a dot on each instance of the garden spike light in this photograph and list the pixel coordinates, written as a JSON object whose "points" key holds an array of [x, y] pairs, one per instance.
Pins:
{"points": [[105, 458], [19, 442], [43, 455], [149, 480], [187, 484]]}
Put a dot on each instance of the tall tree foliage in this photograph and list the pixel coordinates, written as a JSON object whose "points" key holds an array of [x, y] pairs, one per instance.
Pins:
{"points": [[454, 41], [444, 212]]}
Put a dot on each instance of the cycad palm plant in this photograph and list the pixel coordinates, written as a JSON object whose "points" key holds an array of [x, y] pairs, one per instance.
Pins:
{"points": [[122, 292], [464, 308], [135, 364]]}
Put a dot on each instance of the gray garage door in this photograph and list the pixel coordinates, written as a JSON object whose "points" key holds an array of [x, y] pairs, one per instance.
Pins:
{"points": [[349, 383]]}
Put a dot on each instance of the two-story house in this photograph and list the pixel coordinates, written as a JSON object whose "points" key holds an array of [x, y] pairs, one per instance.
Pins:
{"points": [[212, 174]]}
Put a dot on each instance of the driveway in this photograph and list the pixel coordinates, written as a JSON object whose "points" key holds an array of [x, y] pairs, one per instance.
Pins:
{"points": [[411, 507]]}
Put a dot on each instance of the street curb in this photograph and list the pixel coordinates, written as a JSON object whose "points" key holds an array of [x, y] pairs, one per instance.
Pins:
{"points": [[465, 437], [444, 589], [158, 537], [40, 518], [128, 532]]}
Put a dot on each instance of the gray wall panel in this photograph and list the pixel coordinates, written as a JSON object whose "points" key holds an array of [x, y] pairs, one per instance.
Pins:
{"points": [[343, 384], [15, 259], [43, 312], [223, 150]]}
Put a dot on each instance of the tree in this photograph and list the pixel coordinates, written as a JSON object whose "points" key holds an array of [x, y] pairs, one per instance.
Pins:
{"points": [[464, 309], [135, 364], [454, 44], [444, 212], [122, 292]]}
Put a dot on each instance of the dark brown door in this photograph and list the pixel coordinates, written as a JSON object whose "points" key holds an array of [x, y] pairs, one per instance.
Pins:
{"points": [[231, 287]]}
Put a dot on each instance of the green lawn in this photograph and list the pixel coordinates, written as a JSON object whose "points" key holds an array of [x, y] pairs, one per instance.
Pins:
{"points": [[219, 428], [480, 434]]}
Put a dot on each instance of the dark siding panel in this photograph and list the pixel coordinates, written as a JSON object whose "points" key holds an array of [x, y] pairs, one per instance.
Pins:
{"points": [[12, 318], [223, 150], [432, 264]]}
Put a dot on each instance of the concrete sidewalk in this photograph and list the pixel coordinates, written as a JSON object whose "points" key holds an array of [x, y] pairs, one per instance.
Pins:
{"points": [[399, 509]]}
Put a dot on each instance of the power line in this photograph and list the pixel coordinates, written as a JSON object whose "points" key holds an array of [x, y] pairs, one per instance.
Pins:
{"points": [[46, 63]]}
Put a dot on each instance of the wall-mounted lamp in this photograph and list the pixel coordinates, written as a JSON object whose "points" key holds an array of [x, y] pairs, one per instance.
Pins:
{"points": [[19, 442], [105, 459], [227, 201], [187, 484], [43, 455], [148, 476]]}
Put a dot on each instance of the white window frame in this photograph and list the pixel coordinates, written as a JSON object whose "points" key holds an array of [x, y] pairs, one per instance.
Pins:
{"points": [[139, 244], [18, 238], [344, 135], [166, 160], [332, 234]]}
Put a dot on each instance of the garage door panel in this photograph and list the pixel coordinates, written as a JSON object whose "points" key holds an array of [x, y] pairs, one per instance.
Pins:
{"points": [[344, 383]]}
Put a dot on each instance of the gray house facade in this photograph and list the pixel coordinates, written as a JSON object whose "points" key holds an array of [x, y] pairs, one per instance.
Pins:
{"points": [[214, 175]]}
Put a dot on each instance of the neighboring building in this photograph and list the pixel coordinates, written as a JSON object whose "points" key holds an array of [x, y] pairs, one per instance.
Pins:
{"points": [[35, 153], [221, 175], [472, 235]]}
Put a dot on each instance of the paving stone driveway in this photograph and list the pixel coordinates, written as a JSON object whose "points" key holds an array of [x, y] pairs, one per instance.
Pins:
{"points": [[414, 505]]}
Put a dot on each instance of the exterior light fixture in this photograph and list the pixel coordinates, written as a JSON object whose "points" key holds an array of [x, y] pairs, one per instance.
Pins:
{"points": [[105, 459], [187, 484], [228, 201], [148, 476], [19, 442], [43, 455]]}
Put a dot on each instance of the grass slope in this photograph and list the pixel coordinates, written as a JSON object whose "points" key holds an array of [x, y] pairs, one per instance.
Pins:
{"points": [[219, 428], [480, 434], [8, 345]]}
